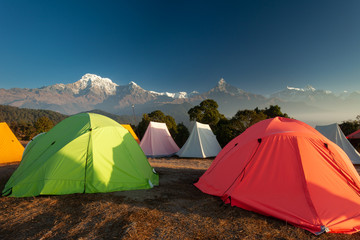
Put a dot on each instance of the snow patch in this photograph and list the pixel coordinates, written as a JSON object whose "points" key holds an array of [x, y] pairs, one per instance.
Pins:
{"points": [[310, 88], [171, 95], [296, 89], [133, 83], [222, 81]]}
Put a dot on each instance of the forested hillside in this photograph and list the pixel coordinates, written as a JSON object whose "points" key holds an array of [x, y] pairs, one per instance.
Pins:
{"points": [[123, 119], [13, 114], [26, 123]]}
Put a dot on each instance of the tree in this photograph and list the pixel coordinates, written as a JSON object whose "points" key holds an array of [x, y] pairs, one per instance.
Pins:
{"points": [[27, 130], [226, 130], [182, 135], [207, 112], [350, 126], [22, 121], [157, 116], [43, 124], [246, 118], [272, 111]]}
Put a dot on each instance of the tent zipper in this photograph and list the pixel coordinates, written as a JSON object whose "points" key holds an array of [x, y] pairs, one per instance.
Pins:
{"points": [[207, 172], [347, 177], [243, 171], [86, 159]]}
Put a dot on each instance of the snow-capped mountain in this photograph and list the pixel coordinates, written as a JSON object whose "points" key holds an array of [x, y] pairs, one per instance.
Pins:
{"points": [[224, 87], [95, 83], [310, 97], [176, 95], [171, 95], [301, 94], [95, 92], [231, 99], [89, 83]]}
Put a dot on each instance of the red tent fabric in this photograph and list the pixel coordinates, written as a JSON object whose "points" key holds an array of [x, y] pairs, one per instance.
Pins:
{"points": [[286, 169], [354, 135]]}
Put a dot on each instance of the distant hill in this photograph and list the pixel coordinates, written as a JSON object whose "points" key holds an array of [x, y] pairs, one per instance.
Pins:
{"points": [[22, 120], [123, 119], [11, 114]]}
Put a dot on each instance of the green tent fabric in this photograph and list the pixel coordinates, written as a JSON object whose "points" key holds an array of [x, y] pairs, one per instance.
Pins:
{"points": [[85, 153]]}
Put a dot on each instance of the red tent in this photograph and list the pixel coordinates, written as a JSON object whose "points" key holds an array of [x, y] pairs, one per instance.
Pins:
{"points": [[286, 169], [354, 135]]}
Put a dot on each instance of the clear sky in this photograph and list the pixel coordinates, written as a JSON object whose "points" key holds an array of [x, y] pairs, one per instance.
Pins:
{"points": [[258, 46]]}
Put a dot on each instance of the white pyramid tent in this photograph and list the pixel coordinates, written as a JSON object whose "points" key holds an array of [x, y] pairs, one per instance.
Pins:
{"points": [[157, 141], [334, 134], [201, 143]]}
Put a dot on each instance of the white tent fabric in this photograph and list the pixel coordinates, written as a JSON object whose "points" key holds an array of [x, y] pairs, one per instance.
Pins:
{"points": [[157, 141], [201, 143], [334, 134]]}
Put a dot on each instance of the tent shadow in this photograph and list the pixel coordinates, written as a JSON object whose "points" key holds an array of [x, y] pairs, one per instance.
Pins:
{"points": [[175, 195], [130, 169], [60, 217], [6, 171]]}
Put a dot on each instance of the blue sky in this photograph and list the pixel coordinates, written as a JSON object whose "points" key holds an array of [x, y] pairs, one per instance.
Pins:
{"points": [[259, 46]]}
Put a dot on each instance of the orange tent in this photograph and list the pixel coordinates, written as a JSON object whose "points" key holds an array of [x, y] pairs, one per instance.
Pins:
{"points": [[286, 169], [129, 128], [11, 149]]}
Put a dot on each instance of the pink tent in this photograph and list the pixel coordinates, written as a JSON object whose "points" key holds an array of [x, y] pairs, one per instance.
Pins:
{"points": [[157, 141]]}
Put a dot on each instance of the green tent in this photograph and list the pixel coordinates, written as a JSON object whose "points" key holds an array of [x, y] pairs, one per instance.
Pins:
{"points": [[85, 153]]}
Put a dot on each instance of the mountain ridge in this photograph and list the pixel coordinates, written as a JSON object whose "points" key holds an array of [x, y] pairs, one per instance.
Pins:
{"points": [[94, 92]]}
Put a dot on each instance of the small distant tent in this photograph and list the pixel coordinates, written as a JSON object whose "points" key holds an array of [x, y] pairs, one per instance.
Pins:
{"points": [[131, 131], [354, 135], [157, 141], [84, 153], [334, 133], [11, 149], [202, 143], [284, 168]]}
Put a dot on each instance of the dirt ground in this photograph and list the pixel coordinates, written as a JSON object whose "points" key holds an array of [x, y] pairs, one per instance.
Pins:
{"points": [[174, 210]]}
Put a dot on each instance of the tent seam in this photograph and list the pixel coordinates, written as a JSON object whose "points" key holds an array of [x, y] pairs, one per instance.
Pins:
{"points": [[306, 189]]}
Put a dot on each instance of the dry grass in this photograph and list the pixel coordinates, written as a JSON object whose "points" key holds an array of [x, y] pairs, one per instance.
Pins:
{"points": [[173, 210]]}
